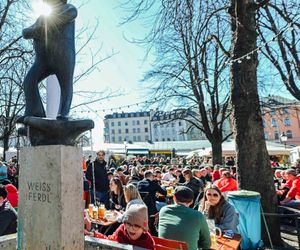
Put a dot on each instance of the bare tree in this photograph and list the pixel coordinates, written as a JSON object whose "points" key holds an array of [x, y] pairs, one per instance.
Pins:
{"points": [[254, 170], [190, 67], [280, 20]]}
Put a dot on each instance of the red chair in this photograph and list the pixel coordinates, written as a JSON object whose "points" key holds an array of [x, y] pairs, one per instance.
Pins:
{"points": [[166, 244]]}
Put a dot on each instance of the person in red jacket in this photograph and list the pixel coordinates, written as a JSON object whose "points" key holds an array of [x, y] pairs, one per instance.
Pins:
{"points": [[292, 198], [216, 174], [134, 229], [227, 183], [12, 195]]}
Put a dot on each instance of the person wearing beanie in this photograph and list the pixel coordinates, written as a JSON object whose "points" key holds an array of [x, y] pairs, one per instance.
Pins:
{"points": [[182, 223], [134, 229]]}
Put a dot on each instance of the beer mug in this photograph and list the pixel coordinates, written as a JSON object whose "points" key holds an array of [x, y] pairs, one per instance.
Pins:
{"points": [[215, 233], [169, 191], [91, 207], [101, 211]]}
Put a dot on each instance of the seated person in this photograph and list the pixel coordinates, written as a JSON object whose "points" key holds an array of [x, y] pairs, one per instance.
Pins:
{"points": [[227, 183], [12, 195], [8, 216], [181, 223], [195, 184], [292, 198], [117, 199], [214, 206], [134, 229]]}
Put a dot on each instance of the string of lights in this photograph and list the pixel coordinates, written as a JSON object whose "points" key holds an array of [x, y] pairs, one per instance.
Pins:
{"points": [[247, 56], [229, 62]]}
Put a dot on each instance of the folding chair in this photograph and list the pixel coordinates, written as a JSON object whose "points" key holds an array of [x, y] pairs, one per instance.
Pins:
{"points": [[166, 244]]}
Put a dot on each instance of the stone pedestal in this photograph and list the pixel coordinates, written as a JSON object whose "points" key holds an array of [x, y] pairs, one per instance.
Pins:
{"points": [[50, 212]]}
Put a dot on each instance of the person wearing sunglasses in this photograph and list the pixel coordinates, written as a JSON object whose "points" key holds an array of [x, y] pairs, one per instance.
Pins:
{"points": [[215, 207], [134, 229]]}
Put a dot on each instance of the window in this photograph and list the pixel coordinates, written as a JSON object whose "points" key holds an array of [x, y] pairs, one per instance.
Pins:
{"points": [[274, 122], [289, 134], [276, 135], [272, 112], [134, 138], [120, 131], [266, 136], [172, 124], [119, 123], [120, 138], [126, 123], [126, 131], [138, 130], [285, 110], [134, 130], [163, 139], [146, 138], [137, 122], [113, 139], [113, 131], [287, 122], [145, 122], [146, 130], [179, 123], [264, 123], [168, 139], [133, 122], [139, 138], [112, 124]]}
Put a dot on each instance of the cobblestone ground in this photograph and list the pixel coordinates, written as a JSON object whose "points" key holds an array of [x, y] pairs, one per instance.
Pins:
{"points": [[289, 236]]}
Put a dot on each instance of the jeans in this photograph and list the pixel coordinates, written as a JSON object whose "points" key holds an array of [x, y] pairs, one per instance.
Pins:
{"points": [[293, 203]]}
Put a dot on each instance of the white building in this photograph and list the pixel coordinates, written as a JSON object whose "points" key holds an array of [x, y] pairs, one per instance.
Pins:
{"points": [[134, 127]]}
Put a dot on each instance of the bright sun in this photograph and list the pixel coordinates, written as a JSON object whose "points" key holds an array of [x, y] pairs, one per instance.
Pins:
{"points": [[41, 8]]}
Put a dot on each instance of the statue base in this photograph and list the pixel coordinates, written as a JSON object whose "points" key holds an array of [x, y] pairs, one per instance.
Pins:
{"points": [[43, 131]]}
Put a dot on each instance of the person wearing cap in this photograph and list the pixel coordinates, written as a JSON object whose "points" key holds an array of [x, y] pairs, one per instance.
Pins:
{"points": [[134, 229], [292, 198], [8, 216], [182, 223]]}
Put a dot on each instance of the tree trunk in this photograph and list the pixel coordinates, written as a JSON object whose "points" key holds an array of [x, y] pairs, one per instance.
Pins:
{"points": [[5, 145], [216, 146], [254, 170]]}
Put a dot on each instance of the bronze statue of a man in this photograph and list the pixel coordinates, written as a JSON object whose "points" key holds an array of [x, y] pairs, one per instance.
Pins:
{"points": [[54, 44]]}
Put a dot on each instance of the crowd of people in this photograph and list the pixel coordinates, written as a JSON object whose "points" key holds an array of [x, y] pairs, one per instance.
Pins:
{"points": [[137, 192]]}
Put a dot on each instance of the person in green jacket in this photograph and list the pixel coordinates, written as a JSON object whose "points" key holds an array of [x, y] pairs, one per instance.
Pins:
{"points": [[182, 223]]}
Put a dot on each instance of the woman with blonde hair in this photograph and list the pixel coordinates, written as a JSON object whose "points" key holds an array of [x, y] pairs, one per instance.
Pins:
{"points": [[132, 196]]}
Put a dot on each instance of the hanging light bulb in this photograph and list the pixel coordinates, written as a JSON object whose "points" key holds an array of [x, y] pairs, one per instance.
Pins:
{"points": [[239, 61], [248, 57]]}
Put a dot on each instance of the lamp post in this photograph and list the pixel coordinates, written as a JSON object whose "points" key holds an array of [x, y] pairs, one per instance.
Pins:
{"points": [[283, 138], [125, 146], [18, 126]]}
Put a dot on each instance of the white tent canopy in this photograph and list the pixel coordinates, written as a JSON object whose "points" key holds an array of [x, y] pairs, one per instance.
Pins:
{"points": [[228, 149]]}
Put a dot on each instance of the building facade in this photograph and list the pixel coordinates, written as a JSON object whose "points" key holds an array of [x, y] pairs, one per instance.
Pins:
{"points": [[133, 126], [281, 116]]}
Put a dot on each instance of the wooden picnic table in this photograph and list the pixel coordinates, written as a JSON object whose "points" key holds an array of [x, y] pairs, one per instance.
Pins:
{"points": [[228, 244]]}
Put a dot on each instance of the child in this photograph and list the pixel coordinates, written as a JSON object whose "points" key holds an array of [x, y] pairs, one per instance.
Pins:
{"points": [[134, 229]]}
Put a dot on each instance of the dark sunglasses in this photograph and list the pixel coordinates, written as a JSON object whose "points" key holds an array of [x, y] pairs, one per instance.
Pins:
{"points": [[214, 195]]}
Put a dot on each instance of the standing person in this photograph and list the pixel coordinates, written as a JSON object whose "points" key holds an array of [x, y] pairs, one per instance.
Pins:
{"points": [[101, 184], [179, 222], [149, 187], [8, 216]]}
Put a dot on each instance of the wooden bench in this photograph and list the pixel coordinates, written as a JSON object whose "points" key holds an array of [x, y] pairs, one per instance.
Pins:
{"points": [[166, 244]]}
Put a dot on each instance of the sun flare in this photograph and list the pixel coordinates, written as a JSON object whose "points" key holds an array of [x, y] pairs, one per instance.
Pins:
{"points": [[40, 8]]}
